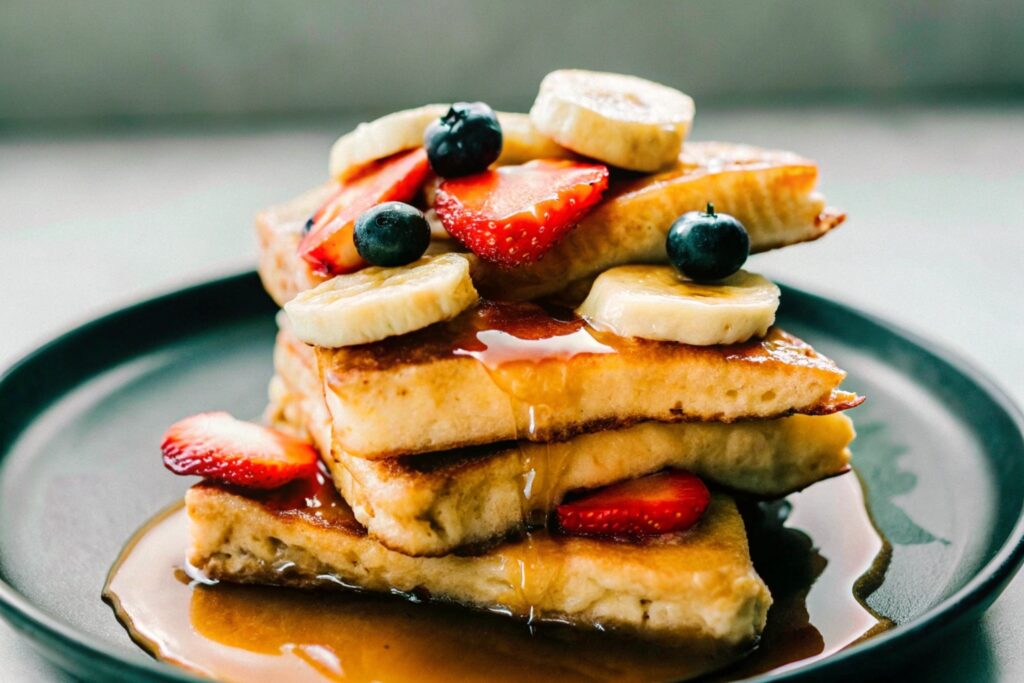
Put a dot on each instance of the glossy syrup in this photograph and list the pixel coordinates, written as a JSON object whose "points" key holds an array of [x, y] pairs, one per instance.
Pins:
{"points": [[818, 551], [525, 348], [498, 334]]}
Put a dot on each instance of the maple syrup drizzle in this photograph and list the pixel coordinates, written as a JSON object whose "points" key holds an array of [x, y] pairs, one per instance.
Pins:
{"points": [[500, 347], [520, 334], [514, 343], [313, 500]]}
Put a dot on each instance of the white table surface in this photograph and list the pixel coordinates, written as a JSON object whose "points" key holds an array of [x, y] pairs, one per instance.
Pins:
{"points": [[934, 240]]}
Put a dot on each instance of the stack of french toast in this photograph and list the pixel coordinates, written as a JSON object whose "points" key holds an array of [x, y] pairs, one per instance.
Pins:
{"points": [[520, 368]]}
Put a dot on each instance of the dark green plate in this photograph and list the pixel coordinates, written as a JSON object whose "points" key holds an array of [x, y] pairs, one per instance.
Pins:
{"points": [[939, 447]]}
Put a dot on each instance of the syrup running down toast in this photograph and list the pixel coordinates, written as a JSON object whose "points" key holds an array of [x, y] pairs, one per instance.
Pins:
{"points": [[520, 368], [432, 503]]}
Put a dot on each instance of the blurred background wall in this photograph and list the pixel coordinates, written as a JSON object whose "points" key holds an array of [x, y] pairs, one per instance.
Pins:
{"points": [[117, 61]]}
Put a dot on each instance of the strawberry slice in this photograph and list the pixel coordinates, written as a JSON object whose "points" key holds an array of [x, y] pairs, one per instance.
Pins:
{"points": [[513, 214], [219, 447], [328, 245], [661, 503]]}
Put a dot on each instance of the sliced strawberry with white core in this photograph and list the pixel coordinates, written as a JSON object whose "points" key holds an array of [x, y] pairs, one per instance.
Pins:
{"points": [[328, 245], [219, 447], [656, 504], [513, 214]]}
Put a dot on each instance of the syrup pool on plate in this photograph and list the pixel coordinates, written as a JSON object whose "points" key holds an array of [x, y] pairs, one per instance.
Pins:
{"points": [[818, 579]]}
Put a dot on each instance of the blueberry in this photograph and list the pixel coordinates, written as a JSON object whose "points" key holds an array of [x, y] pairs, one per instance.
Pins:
{"points": [[706, 246], [464, 141], [391, 234]]}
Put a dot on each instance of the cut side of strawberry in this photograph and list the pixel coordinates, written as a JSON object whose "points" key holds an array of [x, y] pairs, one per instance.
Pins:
{"points": [[219, 447], [513, 214], [661, 503], [328, 246]]}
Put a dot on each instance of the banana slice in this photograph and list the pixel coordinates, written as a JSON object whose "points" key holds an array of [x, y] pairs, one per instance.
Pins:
{"points": [[376, 303], [383, 137], [404, 130], [654, 302], [625, 121], [521, 142]]}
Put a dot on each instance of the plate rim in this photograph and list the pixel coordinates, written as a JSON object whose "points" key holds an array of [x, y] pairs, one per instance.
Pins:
{"points": [[55, 637]]}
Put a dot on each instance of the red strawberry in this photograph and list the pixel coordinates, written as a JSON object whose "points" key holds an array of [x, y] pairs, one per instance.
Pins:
{"points": [[656, 504], [328, 245], [217, 446], [513, 214]]}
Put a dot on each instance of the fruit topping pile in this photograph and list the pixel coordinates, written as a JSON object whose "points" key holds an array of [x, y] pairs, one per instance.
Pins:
{"points": [[508, 188], [509, 214]]}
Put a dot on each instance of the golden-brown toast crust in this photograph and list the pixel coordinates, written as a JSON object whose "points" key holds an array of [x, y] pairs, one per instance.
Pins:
{"points": [[698, 584], [511, 371]]}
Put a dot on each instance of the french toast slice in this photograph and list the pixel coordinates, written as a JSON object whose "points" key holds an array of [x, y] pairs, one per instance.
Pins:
{"points": [[771, 192], [504, 372], [433, 503], [695, 585]]}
